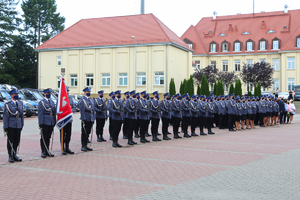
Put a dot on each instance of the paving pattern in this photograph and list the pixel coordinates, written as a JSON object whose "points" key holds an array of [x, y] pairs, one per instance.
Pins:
{"points": [[262, 163]]}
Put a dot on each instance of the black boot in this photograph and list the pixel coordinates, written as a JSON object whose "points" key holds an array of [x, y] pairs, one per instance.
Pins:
{"points": [[210, 132], [201, 131], [154, 137], [10, 158], [130, 142], [49, 153], [99, 138], [185, 134], [68, 150], [16, 158], [194, 134], [114, 145], [118, 145], [136, 135]]}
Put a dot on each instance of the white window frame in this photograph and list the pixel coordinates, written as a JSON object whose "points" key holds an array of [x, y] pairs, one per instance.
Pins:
{"points": [[225, 65], [225, 45], [213, 48], [190, 45], [89, 80], [262, 60], [226, 88], [275, 45], [275, 62], [237, 65], [197, 62], [140, 78], [123, 79], [291, 84], [262, 45], [237, 46], [73, 80], [275, 84], [250, 87], [249, 63], [58, 61], [105, 79], [298, 42], [248, 45], [291, 62], [58, 82], [159, 76]]}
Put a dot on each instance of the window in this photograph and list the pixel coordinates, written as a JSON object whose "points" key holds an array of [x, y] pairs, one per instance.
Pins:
{"points": [[275, 44], [89, 80], [141, 79], [262, 60], [58, 81], [249, 87], [190, 45], [225, 88], [224, 46], [271, 31], [73, 80], [105, 79], [222, 34], [211, 87], [122, 79], [249, 46], [246, 33], [225, 66], [213, 63], [275, 64], [237, 65], [291, 84], [298, 42], [197, 62], [58, 60], [213, 47], [159, 77], [275, 84], [262, 45], [249, 63], [291, 63], [237, 46]]}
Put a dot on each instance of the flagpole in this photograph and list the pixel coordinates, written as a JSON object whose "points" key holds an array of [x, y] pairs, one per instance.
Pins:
{"points": [[62, 138]]}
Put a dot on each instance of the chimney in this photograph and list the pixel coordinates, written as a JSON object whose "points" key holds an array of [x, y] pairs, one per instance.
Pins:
{"points": [[263, 25], [230, 30], [235, 29], [286, 8], [142, 7], [214, 15]]}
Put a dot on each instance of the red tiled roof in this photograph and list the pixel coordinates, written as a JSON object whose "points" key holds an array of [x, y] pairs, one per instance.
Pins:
{"points": [[114, 31], [209, 30]]}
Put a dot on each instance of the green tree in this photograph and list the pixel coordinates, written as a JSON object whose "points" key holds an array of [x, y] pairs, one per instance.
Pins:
{"points": [[258, 89], [204, 86], [172, 88], [184, 84], [238, 88], [249, 94], [221, 87], [192, 89], [198, 90], [216, 88], [181, 88], [231, 89], [189, 87]]}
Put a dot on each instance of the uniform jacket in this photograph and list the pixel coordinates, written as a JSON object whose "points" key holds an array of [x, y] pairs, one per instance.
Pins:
{"points": [[254, 107], [194, 109], [166, 111], [100, 108], [210, 109], [249, 107], [46, 112], [14, 117], [202, 106], [144, 110], [115, 109], [176, 109], [155, 112], [130, 108], [245, 108], [73, 107], [216, 103], [87, 109], [186, 110], [238, 109], [221, 108], [231, 107]]}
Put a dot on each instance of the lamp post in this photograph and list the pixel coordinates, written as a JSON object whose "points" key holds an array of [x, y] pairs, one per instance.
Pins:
{"points": [[135, 63]]}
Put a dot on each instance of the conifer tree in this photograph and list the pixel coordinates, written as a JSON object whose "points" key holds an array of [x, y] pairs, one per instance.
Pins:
{"points": [[231, 89], [172, 89], [181, 88], [198, 90], [204, 86]]}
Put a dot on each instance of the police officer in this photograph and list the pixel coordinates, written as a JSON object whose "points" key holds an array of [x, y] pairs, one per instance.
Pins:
{"points": [[13, 122], [87, 116], [186, 114], [68, 129], [176, 115], [155, 115], [116, 109], [144, 111], [148, 121], [124, 114], [47, 121], [231, 112], [110, 126], [202, 106], [137, 125], [194, 114], [166, 115], [210, 115], [131, 116], [221, 112], [101, 115]]}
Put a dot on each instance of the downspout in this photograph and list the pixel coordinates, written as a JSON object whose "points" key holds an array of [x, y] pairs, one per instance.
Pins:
{"points": [[166, 68]]}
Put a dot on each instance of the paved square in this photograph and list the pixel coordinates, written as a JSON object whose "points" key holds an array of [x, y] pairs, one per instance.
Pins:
{"points": [[262, 163]]}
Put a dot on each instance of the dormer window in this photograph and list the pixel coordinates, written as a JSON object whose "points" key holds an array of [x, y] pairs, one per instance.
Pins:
{"points": [[249, 46], [222, 34], [246, 33], [213, 47], [190, 45], [271, 31], [275, 44], [262, 45], [298, 41], [225, 46], [237, 46]]}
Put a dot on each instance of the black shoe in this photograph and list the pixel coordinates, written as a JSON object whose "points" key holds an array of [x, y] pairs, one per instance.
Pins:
{"points": [[166, 138], [88, 141], [114, 145], [83, 149], [69, 151], [64, 152], [11, 159], [130, 142], [147, 135], [136, 135], [142, 141], [146, 140], [158, 133], [211, 133], [44, 155], [169, 133], [154, 139], [231, 130], [186, 135], [158, 139], [203, 133], [89, 149], [50, 154], [118, 145], [99, 139], [125, 137], [175, 136], [133, 142], [16, 158], [110, 138], [194, 134], [103, 140]]}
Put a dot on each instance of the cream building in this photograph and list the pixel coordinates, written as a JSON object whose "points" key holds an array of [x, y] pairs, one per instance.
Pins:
{"points": [[230, 41], [101, 53]]}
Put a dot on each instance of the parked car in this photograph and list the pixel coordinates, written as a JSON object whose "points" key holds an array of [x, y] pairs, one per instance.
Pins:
{"points": [[76, 97], [297, 92], [1, 109], [285, 95], [267, 94], [75, 103]]}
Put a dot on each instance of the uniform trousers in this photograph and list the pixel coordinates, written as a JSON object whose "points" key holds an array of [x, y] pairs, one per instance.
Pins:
{"points": [[261, 118], [86, 128], [165, 125], [130, 127], [47, 132], [154, 125], [230, 121], [209, 122], [137, 126], [67, 130], [185, 123], [143, 128], [125, 127], [110, 127], [13, 135], [117, 124], [194, 124], [201, 122], [176, 123], [221, 121], [99, 127]]}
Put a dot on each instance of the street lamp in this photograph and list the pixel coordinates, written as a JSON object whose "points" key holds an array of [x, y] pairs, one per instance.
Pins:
{"points": [[135, 63]]}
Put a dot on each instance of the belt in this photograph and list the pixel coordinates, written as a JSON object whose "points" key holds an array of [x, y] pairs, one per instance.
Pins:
{"points": [[15, 116], [48, 114], [89, 111]]}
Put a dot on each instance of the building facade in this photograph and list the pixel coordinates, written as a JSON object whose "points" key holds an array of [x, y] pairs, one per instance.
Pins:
{"points": [[229, 42], [118, 53]]}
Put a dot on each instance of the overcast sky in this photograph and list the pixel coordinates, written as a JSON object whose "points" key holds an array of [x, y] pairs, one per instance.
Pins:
{"points": [[178, 15]]}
